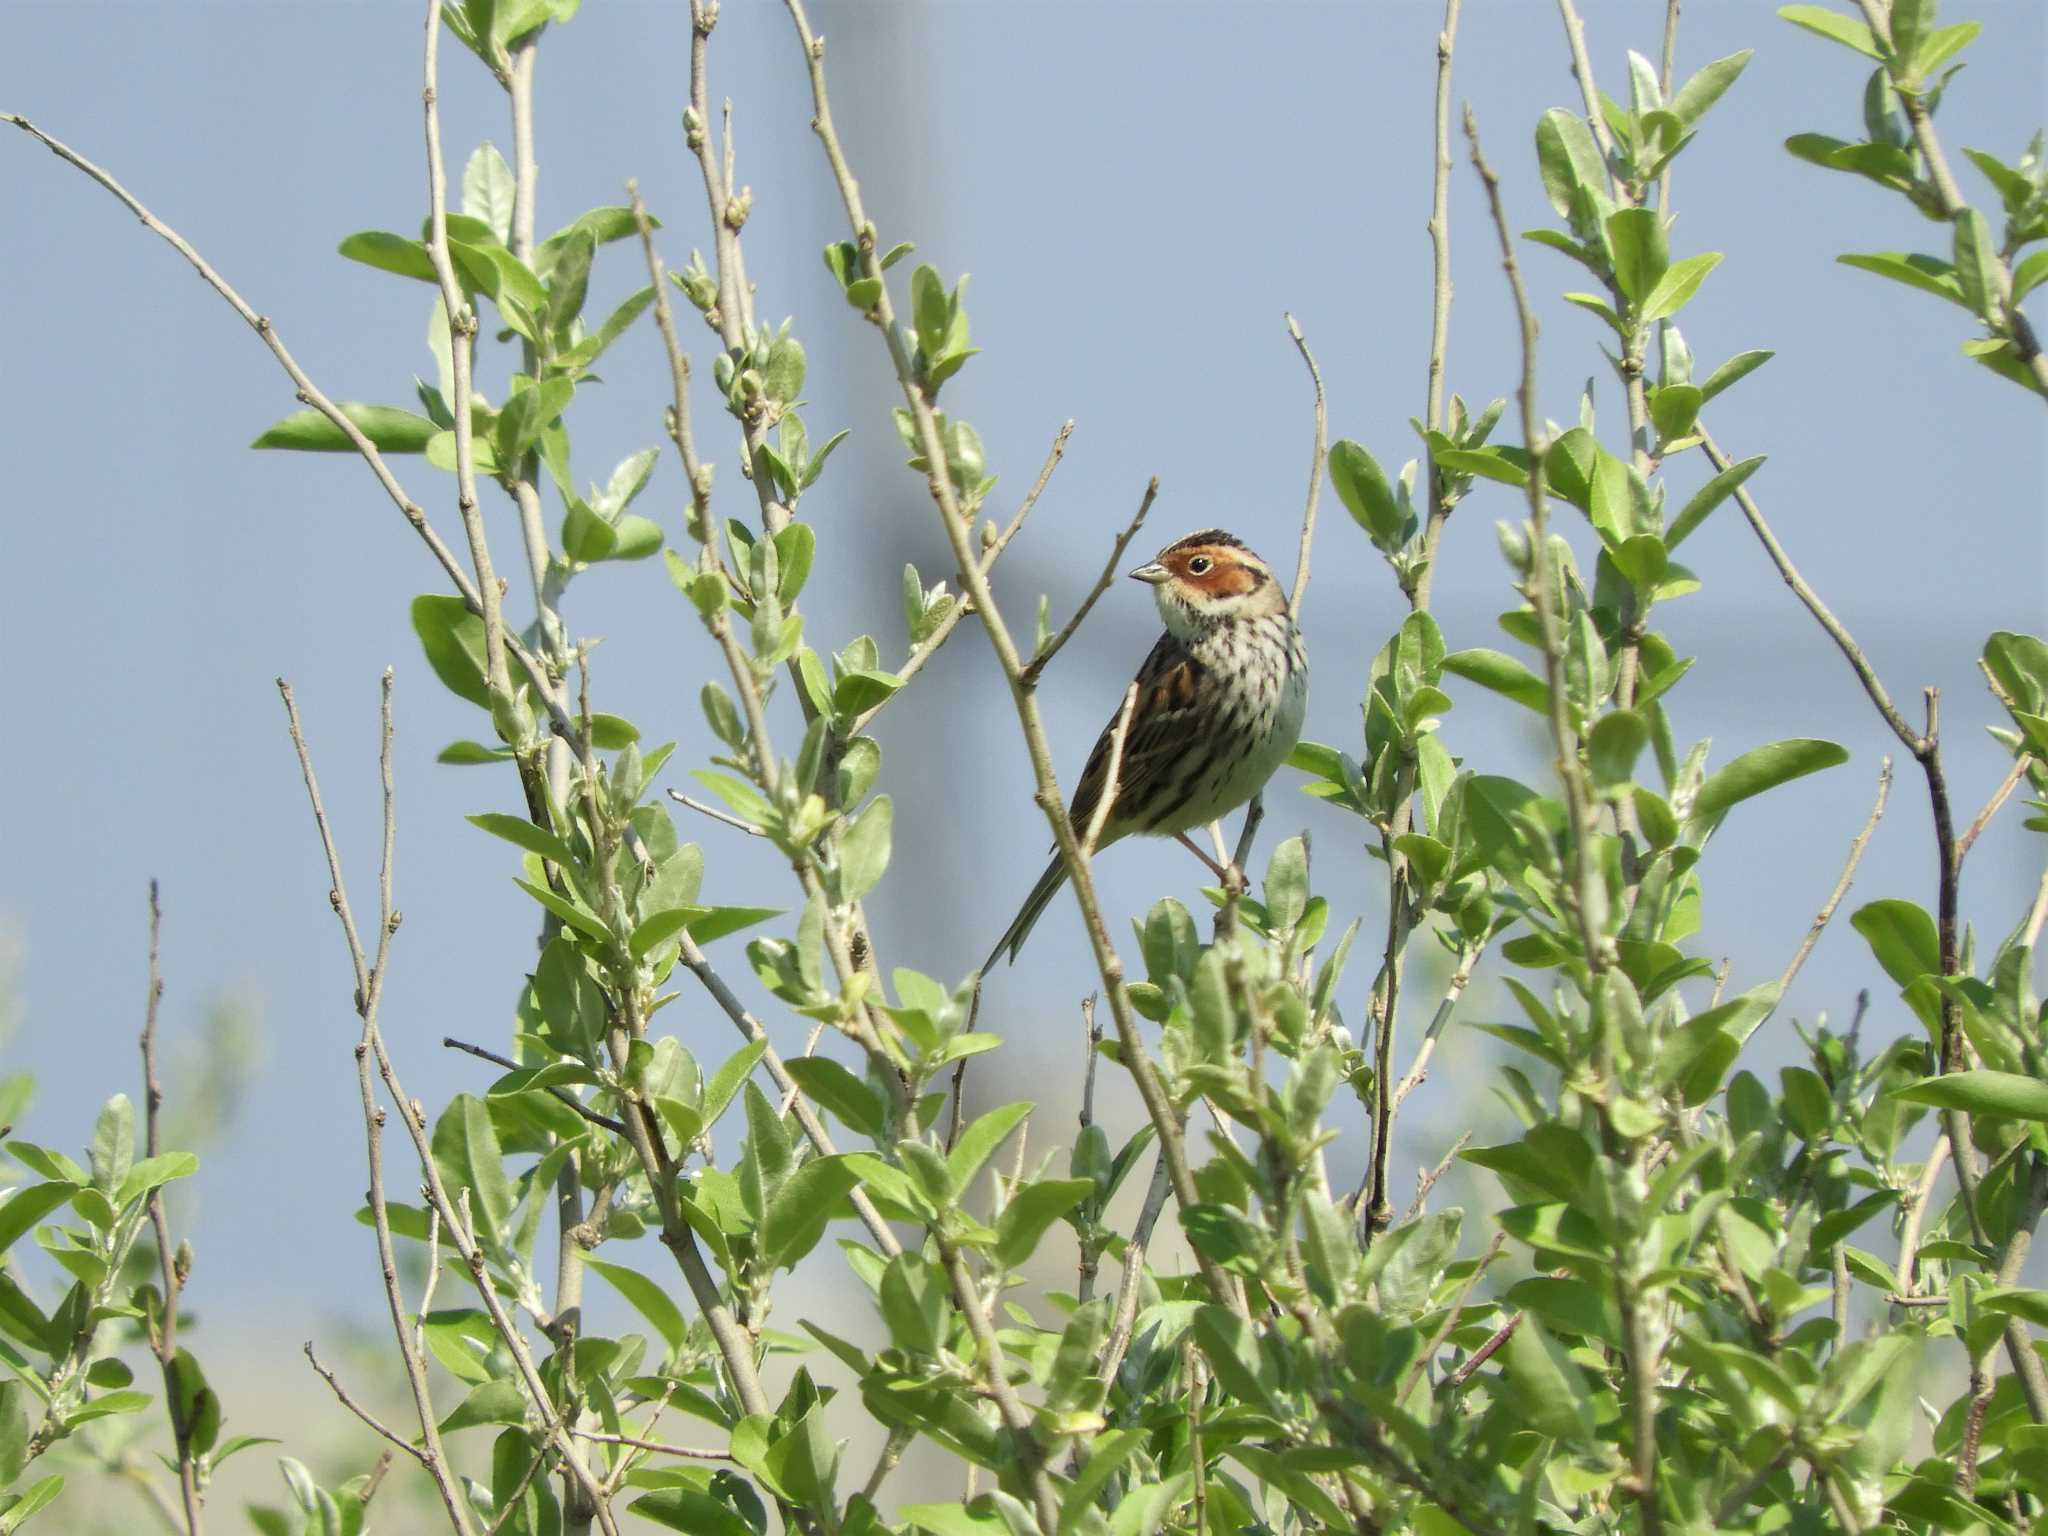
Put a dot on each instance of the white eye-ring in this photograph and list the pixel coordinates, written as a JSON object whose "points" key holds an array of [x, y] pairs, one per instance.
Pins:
{"points": [[1199, 566]]}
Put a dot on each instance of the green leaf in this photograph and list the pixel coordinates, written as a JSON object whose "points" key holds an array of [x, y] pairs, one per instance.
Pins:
{"points": [[1640, 254], [14, 1431], [390, 253], [493, 1402], [524, 834], [575, 915], [527, 414], [864, 849], [1930, 274], [1831, 25], [828, 1083], [153, 1173], [725, 1082], [1613, 745], [1031, 1211], [798, 1213], [1569, 159], [1548, 1390], [1708, 497], [1976, 253], [1740, 366], [488, 190], [1982, 1092], [453, 639], [686, 1509], [1363, 489], [979, 1141], [1503, 675], [1706, 86], [1676, 286], [720, 921], [1674, 408], [112, 1152], [25, 1207], [467, 1153], [1763, 768], [387, 427], [1902, 937]]}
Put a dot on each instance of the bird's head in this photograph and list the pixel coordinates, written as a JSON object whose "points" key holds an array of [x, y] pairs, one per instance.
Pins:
{"points": [[1209, 578]]}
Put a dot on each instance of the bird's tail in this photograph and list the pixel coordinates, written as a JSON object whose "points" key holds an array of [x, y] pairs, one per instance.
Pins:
{"points": [[1035, 904]]}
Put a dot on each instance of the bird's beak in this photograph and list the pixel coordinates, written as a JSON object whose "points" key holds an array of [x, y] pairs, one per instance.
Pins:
{"points": [[1152, 574]]}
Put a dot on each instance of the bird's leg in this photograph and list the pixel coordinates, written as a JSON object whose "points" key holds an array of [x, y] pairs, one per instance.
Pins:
{"points": [[1214, 866], [1227, 873]]}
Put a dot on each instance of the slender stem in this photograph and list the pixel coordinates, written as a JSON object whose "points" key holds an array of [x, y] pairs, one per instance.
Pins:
{"points": [[1036, 668], [996, 1377], [1317, 456], [1124, 1318], [414, 1118], [1916, 1213], [368, 995], [462, 324], [1992, 806], [1856, 846], [1640, 1355], [170, 1268], [694, 1453], [1467, 959], [1157, 1105], [341, 1393]]}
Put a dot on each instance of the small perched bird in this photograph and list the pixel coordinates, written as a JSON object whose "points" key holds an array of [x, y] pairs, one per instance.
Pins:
{"points": [[1219, 707]]}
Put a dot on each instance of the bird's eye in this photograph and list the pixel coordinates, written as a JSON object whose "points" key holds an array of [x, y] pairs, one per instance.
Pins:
{"points": [[1199, 566]]}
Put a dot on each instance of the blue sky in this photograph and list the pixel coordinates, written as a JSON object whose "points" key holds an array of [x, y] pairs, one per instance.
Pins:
{"points": [[1139, 192]]}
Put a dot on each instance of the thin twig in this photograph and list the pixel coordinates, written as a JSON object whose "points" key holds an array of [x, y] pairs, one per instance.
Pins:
{"points": [[1992, 806], [1484, 1352], [363, 1413], [1112, 780], [164, 1331], [1426, 1181], [1125, 1318], [1043, 659], [308, 392], [1440, 293], [1419, 1070], [1844, 641], [1315, 469], [372, 1044], [991, 552], [715, 813], [1444, 1329], [1640, 1356], [695, 1453], [1158, 1105], [595, 1117], [1820, 919]]}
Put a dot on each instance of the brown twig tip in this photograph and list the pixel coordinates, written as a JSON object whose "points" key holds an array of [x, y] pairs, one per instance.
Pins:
{"points": [[1317, 457]]}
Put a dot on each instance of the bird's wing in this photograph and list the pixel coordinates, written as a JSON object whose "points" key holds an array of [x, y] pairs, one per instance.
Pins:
{"points": [[1163, 724]]}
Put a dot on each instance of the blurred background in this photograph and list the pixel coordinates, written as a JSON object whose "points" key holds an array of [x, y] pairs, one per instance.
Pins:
{"points": [[1139, 191]]}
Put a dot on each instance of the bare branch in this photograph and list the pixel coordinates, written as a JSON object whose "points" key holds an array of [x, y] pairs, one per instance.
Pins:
{"points": [[715, 813], [694, 1453], [1038, 663], [171, 1268], [384, 1430], [1820, 920], [595, 1117], [1315, 469], [1991, 807]]}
